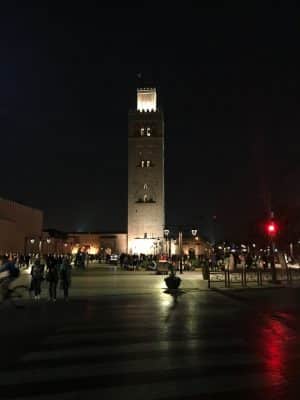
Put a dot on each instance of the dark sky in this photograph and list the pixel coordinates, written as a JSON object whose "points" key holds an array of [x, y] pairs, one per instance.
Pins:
{"points": [[228, 82]]}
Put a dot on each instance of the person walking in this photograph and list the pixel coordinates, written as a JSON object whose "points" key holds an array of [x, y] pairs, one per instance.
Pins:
{"points": [[65, 277], [52, 278], [231, 262], [36, 279]]}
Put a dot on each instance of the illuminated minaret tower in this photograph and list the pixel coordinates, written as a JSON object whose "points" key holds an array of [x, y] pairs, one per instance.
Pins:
{"points": [[146, 197]]}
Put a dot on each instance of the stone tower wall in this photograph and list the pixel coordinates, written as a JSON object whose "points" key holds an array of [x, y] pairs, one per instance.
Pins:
{"points": [[145, 216]]}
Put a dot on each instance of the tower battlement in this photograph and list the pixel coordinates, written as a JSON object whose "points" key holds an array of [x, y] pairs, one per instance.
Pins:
{"points": [[146, 99]]}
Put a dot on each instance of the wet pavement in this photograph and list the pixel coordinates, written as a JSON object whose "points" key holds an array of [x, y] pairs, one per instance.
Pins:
{"points": [[122, 336]]}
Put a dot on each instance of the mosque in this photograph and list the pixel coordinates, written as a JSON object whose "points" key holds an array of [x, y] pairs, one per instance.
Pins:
{"points": [[21, 227]]}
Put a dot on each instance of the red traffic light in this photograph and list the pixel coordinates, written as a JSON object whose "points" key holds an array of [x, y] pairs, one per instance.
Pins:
{"points": [[271, 228]]}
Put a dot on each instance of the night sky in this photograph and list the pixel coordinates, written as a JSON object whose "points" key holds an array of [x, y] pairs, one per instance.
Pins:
{"points": [[228, 82]]}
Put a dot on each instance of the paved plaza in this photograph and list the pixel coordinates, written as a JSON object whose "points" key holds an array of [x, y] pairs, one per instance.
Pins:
{"points": [[122, 336]]}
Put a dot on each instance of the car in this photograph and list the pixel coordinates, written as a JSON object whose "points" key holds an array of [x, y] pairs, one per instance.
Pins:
{"points": [[114, 259]]}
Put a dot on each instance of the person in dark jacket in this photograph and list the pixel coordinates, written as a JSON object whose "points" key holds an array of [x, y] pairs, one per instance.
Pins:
{"points": [[36, 279], [52, 278], [65, 277]]}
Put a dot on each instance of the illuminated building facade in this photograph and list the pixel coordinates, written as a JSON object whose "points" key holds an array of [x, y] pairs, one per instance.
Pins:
{"points": [[89, 242], [146, 197]]}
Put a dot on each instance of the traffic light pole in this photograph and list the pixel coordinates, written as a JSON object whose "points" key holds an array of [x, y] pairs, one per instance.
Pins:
{"points": [[273, 268], [272, 231]]}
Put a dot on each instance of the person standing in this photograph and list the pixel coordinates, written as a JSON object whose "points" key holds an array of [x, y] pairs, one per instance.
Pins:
{"points": [[231, 262], [36, 279], [52, 278], [65, 277]]}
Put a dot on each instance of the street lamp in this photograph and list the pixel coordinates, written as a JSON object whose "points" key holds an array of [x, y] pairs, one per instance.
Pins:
{"points": [[166, 234], [194, 233]]}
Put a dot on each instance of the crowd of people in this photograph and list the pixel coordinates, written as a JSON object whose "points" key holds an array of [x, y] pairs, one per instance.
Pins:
{"points": [[54, 269], [248, 260]]}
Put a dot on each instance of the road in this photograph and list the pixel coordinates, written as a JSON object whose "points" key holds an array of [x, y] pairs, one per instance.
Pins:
{"points": [[121, 336]]}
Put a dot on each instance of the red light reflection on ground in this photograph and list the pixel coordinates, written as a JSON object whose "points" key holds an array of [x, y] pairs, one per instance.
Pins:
{"points": [[277, 338]]}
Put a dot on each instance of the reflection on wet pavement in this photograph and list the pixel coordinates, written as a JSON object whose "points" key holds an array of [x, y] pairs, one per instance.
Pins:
{"points": [[185, 344]]}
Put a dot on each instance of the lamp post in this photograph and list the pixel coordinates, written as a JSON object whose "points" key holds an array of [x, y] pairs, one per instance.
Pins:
{"points": [[180, 244], [166, 234], [194, 233], [180, 251], [32, 241], [48, 240]]}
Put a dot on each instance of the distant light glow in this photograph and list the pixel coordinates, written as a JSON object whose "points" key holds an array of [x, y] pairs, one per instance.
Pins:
{"points": [[143, 246], [75, 249], [93, 250]]}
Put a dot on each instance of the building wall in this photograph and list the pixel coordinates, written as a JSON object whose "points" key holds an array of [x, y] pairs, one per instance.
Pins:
{"points": [[18, 223], [199, 247], [93, 243], [116, 242], [145, 217]]}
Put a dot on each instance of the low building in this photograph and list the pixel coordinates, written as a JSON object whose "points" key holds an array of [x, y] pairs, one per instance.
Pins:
{"points": [[19, 225], [91, 242], [115, 242]]}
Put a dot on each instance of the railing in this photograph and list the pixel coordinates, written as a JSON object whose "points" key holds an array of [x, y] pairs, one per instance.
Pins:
{"points": [[244, 276]]}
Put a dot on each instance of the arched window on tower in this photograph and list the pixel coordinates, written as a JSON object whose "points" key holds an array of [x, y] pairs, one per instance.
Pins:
{"points": [[145, 131], [145, 164]]}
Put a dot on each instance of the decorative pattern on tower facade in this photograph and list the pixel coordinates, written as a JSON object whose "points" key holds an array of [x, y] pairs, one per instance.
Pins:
{"points": [[146, 197]]}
